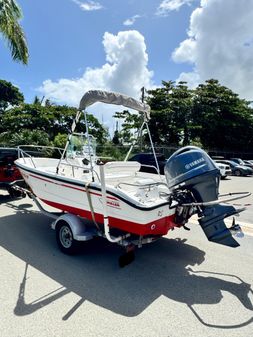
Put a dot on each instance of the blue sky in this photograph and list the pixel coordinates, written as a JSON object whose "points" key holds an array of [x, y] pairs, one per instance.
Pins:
{"points": [[122, 45], [64, 40]]}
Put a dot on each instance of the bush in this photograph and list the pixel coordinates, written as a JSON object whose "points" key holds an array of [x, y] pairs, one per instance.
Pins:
{"points": [[60, 140]]}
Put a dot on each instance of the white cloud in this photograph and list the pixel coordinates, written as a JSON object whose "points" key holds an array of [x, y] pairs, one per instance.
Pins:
{"points": [[131, 21], [125, 71], [219, 45], [185, 52], [88, 5], [192, 78], [167, 6]]}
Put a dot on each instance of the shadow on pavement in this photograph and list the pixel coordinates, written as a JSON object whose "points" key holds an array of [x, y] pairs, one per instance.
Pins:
{"points": [[162, 268]]}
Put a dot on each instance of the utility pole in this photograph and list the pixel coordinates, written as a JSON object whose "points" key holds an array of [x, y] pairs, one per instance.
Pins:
{"points": [[142, 94], [142, 117]]}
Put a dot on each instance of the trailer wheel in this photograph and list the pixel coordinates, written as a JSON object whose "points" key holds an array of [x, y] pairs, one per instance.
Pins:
{"points": [[65, 240]]}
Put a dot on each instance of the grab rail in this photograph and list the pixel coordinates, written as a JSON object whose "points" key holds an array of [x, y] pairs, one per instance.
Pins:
{"points": [[23, 153], [81, 167], [240, 195], [143, 185], [151, 166]]}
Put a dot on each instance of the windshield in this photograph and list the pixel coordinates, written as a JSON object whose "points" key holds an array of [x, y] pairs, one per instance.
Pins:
{"points": [[238, 161], [233, 163], [82, 147], [241, 162]]}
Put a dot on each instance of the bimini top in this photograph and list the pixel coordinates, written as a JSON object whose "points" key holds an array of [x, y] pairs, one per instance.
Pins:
{"points": [[94, 96]]}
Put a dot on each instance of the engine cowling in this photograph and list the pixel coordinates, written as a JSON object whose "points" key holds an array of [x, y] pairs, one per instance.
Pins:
{"points": [[190, 169]]}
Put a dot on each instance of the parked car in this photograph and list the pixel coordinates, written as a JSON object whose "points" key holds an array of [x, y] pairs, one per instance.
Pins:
{"points": [[148, 163], [237, 170], [225, 169], [8, 170], [242, 162], [248, 163]]}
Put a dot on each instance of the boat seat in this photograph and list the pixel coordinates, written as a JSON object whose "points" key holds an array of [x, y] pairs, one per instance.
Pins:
{"points": [[71, 171], [121, 168], [50, 169], [146, 182]]}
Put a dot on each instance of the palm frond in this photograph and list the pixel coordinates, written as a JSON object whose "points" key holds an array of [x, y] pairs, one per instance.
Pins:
{"points": [[12, 31]]}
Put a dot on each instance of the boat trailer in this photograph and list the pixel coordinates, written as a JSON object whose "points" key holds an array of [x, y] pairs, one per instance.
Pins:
{"points": [[72, 230]]}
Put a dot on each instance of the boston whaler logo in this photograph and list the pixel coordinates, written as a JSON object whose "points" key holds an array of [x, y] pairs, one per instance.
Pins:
{"points": [[194, 163], [112, 203]]}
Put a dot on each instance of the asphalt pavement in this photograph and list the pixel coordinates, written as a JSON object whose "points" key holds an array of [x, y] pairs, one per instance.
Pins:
{"points": [[241, 184], [180, 285]]}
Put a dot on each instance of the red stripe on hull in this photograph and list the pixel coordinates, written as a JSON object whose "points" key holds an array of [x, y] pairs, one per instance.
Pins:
{"points": [[156, 227], [71, 186]]}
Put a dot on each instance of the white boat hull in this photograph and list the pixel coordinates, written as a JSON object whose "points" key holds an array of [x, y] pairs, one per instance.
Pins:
{"points": [[125, 213]]}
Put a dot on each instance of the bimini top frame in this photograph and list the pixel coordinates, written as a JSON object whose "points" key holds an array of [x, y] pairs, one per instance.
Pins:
{"points": [[94, 96]]}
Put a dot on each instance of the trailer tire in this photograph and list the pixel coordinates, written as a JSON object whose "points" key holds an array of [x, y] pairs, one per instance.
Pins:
{"points": [[65, 239]]}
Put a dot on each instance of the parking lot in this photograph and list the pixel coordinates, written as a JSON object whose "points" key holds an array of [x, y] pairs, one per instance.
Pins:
{"points": [[182, 284], [240, 184]]}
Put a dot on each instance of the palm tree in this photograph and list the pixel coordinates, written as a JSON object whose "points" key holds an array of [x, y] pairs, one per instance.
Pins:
{"points": [[10, 13]]}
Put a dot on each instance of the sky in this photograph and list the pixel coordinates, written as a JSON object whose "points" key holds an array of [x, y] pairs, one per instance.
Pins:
{"points": [[123, 45]]}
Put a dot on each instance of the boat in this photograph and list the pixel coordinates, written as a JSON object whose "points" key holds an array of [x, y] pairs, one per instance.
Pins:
{"points": [[124, 205]]}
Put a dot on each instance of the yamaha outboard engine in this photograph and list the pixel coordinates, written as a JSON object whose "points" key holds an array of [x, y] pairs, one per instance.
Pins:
{"points": [[194, 179]]}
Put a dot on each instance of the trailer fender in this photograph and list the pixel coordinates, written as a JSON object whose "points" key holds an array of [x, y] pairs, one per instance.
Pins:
{"points": [[76, 224]]}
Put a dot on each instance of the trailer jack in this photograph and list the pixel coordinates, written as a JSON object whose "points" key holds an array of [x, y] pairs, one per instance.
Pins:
{"points": [[128, 257]]}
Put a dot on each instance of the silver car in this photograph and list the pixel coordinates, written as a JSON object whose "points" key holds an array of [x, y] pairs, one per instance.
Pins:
{"points": [[225, 169], [237, 170]]}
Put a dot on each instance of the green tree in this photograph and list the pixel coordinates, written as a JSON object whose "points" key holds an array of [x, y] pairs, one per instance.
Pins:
{"points": [[171, 121], [10, 14], [9, 95], [24, 137], [36, 100], [53, 120], [224, 120], [116, 138], [132, 122], [96, 129], [60, 140]]}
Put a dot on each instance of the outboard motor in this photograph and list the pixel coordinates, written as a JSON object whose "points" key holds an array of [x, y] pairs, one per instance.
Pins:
{"points": [[194, 179]]}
